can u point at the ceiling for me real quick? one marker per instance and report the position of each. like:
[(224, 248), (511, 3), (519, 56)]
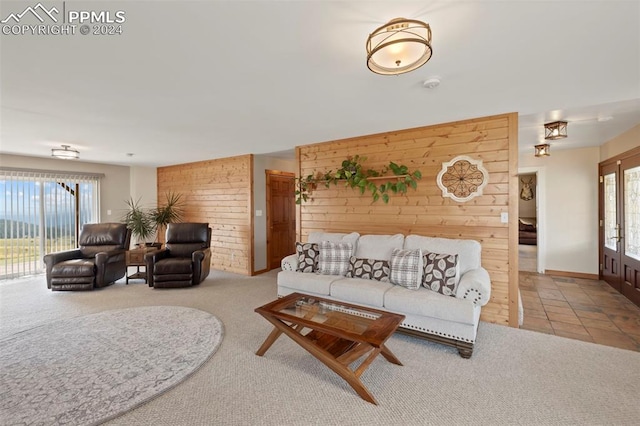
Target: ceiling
[(188, 81)]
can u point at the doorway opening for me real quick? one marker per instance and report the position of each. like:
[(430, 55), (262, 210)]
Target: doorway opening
[(530, 219)]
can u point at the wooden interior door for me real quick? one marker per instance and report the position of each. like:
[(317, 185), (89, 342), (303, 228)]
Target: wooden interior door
[(620, 225), (281, 216)]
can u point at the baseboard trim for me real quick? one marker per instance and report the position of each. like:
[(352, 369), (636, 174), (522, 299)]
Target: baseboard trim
[(572, 274)]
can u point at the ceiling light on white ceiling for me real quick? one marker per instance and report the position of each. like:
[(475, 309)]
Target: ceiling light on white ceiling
[(542, 150), (555, 130), (399, 46), (65, 153)]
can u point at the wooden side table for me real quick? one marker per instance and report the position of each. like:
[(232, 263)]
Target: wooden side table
[(135, 257)]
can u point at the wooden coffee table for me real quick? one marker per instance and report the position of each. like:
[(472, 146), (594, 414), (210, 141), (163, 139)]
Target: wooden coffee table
[(336, 333)]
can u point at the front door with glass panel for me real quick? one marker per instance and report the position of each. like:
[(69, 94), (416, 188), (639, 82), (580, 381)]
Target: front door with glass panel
[(610, 226), (620, 225)]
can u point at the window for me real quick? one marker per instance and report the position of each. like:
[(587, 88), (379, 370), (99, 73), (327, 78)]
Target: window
[(42, 212)]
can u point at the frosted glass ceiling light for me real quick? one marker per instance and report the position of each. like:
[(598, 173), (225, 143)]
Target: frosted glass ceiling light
[(65, 153), (400, 46)]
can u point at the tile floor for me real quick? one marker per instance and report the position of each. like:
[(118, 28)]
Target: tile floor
[(578, 308)]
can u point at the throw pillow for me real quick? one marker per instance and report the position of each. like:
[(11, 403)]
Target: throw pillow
[(369, 269), (406, 268), (440, 273), (307, 257), (334, 258)]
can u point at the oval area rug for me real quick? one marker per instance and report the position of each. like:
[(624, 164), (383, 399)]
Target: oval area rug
[(88, 369)]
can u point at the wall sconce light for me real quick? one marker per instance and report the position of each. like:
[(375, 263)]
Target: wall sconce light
[(542, 150), (555, 130), (399, 46), (65, 153)]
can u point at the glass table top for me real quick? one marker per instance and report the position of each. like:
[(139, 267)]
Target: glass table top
[(334, 314)]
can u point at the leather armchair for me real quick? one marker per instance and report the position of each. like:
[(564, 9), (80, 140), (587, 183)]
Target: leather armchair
[(186, 258), (98, 262)]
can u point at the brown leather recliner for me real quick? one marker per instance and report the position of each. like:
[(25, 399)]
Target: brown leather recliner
[(186, 258), (98, 262)]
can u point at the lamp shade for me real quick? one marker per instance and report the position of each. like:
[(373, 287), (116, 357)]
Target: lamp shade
[(400, 46), (542, 150), (65, 153), (555, 130)]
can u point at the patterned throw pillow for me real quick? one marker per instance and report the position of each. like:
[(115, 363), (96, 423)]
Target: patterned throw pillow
[(440, 273), (307, 257), (369, 269), (406, 268), (334, 258)]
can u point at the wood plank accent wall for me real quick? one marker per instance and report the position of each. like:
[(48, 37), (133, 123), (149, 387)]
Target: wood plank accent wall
[(219, 192), (424, 211)]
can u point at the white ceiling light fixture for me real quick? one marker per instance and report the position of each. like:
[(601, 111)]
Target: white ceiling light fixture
[(399, 46), (65, 153)]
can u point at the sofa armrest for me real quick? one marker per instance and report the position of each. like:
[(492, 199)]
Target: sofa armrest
[(104, 257), (150, 259), (289, 263), (475, 285), (53, 258)]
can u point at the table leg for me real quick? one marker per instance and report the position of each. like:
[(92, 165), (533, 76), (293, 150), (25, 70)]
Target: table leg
[(269, 341), (384, 350), (322, 355)]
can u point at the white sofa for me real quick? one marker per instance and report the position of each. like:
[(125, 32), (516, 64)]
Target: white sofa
[(451, 320)]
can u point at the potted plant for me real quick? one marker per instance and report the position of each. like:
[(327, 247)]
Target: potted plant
[(145, 223), (170, 212), (139, 221)]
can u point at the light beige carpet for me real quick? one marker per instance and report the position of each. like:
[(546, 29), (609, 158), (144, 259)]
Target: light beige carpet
[(88, 369), (514, 377)]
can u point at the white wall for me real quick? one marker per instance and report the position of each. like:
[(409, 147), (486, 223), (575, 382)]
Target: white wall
[(570, 211), (625, 142), (114, 187), (144, 185), (260, 164)]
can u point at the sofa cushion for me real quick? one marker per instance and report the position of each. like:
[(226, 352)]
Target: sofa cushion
[(334, 258), (74, 268), (378, 246), (360, 292), (307, 283), (307, 257), (441, 273), (429, 303), (173, 265), (468, 251), (334, 237), (368, 269), (406, 268)]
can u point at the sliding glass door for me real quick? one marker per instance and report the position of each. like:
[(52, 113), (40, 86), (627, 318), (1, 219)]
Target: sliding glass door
[(42, 212)]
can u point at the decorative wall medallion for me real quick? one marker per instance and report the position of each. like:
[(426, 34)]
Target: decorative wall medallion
[(462, 178)]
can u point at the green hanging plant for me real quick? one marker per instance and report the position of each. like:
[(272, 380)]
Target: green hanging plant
[(354, 175)]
